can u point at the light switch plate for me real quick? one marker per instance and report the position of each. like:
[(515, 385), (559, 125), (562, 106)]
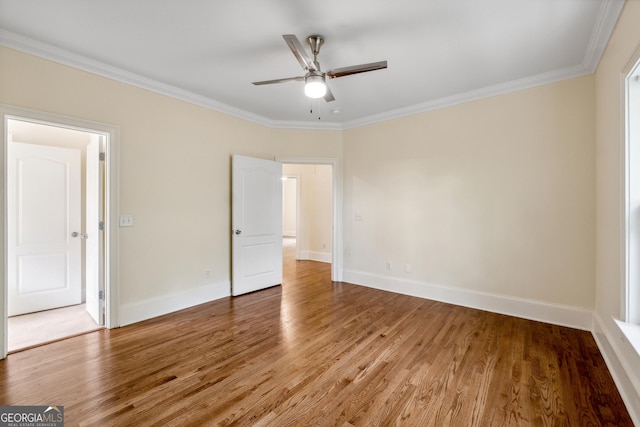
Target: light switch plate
[(126, 220)]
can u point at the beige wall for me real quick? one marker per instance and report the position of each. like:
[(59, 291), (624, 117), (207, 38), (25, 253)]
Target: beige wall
[(623, 49), (289, 205), (493, 196), (321, 240), (174, 169)]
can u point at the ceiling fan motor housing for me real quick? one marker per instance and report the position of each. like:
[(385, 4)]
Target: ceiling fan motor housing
[(315, 42)]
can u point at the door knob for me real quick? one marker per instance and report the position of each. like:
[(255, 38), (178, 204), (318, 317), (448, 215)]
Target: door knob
[(81, 235), (238, 231)]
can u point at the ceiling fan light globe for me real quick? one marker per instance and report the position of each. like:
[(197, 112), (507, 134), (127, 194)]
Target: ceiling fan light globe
[(315, 87)]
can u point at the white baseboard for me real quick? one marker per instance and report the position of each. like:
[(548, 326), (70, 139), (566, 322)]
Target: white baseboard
[(289, 233), (316, 256), (154, 307), (624, 372), (557, 314)]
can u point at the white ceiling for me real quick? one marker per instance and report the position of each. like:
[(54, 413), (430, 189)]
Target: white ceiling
[(440, 52)]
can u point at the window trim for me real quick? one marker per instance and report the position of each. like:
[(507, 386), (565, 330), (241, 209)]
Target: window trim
[(628, 321), (630, 310)]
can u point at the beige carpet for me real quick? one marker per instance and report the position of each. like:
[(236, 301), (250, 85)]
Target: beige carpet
[(32, 329)]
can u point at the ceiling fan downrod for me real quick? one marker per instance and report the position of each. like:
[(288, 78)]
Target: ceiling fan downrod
[(316, 42)]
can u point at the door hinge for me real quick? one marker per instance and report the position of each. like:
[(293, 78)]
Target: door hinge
[(101, 225), (101, 295), (102, 156)]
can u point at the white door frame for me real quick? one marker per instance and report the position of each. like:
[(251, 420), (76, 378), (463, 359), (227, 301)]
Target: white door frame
[(111, 134), (336, 174)]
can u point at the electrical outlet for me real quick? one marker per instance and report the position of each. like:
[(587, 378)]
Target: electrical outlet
[(207, 274), (389, 266), (407, 268)]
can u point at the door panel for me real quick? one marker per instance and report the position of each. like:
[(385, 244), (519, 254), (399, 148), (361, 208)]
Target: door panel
[(44, 260), (256, 224), (42, 272), (94, 269)]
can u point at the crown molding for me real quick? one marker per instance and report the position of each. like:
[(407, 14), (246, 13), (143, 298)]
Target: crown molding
[(65, 57), (606, 20), (474, 95)]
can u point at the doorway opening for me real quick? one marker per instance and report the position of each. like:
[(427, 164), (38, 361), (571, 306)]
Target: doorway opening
[(58, 181), (311, 201)]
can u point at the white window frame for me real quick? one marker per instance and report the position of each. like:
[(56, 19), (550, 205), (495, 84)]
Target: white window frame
[(629, 322), (631, 300)]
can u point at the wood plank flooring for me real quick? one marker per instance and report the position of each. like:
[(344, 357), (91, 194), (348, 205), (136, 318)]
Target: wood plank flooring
[(317, 353)]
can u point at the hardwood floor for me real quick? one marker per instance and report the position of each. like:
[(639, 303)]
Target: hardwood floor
[(317, 353)]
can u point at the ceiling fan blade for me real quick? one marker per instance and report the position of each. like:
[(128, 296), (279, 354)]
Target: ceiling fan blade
[(355, 69), (288, 79), (298, 51), (328, 97)]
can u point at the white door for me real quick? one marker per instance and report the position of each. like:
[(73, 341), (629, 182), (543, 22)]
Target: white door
[(94, 268), (256, 204), (44, 258)]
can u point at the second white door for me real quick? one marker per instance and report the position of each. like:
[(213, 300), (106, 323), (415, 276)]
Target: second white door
[(44, 219)]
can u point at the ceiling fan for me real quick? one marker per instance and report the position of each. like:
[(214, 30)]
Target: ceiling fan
[(315, 79)]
